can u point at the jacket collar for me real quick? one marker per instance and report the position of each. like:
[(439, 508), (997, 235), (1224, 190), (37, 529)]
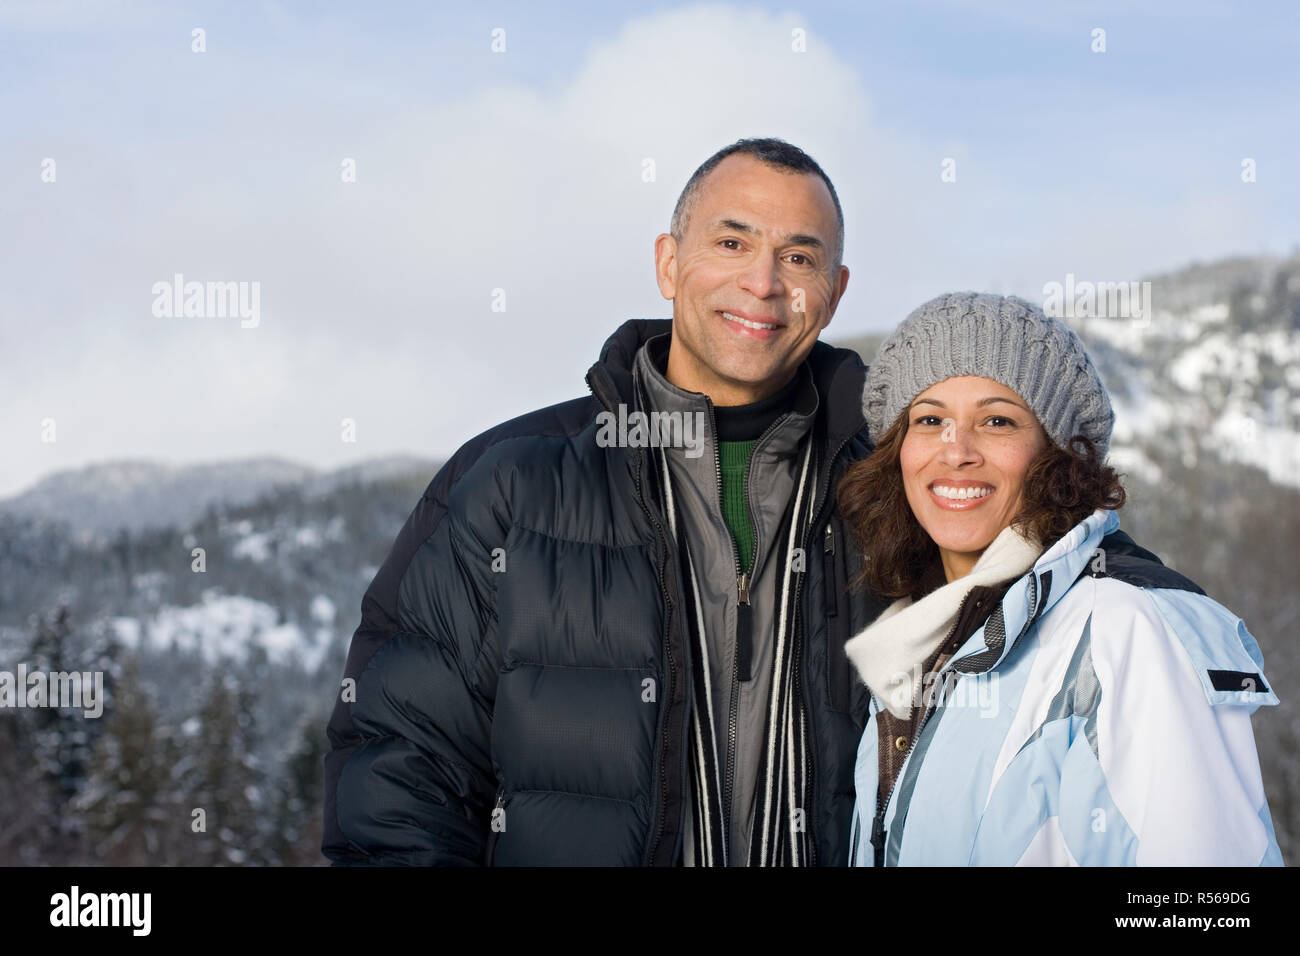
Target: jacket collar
[(1035, 593), (891, 652), (783, 441), (839, 375)]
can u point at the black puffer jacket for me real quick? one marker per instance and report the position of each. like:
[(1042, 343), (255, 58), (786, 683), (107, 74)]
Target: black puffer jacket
[(554, 687)]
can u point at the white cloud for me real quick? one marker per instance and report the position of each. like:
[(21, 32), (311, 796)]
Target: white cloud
[(376, 295)]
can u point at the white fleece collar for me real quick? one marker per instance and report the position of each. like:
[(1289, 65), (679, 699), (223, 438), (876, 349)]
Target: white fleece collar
[(890, 653)]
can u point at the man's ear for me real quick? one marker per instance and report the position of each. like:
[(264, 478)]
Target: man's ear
[(841, 283), (666, 265)]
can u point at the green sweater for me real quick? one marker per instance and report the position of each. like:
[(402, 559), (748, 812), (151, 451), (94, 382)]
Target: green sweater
[(733, 456)]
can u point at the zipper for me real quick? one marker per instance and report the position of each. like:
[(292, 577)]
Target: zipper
[(839, 683), (795, 678), (744, 636), (878, 820), (853, 840), (878, 823), (828, 565), (836, 587), (744, 610), (744, 668)]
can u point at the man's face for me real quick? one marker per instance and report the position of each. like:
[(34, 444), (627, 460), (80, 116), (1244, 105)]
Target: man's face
[(751, 280)]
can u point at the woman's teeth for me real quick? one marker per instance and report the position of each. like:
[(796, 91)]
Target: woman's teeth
[(957, 494), (746, 323)]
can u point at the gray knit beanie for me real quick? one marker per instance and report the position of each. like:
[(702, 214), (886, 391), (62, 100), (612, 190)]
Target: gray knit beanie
[(999, 337)]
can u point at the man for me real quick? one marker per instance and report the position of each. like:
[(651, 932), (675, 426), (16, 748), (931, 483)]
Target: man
[(593, 646)]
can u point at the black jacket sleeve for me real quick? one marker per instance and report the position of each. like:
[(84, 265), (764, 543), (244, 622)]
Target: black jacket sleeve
[(408, 776)]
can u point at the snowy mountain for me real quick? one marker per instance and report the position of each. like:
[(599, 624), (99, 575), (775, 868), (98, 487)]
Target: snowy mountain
[(101, 499), (136, 495), (230, 577), (1215, 367)]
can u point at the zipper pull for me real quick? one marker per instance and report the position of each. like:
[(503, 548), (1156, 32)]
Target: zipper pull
[(828, 559), (878, 839), (744, 630)]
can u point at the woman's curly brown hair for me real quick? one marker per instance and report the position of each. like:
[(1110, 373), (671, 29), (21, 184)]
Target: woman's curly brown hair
[(1061, 489)]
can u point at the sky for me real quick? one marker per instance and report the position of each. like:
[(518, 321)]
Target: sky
[(500, 218)]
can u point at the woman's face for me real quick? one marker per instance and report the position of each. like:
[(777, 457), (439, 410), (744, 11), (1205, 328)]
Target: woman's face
[(969, 444)]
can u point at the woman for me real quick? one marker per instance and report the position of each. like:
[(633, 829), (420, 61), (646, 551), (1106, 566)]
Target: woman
[(1031, 705)]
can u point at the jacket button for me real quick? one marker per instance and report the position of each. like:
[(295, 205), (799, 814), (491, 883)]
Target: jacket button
[(900, 743)]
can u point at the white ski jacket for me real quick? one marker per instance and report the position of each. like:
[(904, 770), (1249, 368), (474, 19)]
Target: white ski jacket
[(1088, 722)]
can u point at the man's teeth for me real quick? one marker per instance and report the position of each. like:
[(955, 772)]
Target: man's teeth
[(748, 324), (943, 491)]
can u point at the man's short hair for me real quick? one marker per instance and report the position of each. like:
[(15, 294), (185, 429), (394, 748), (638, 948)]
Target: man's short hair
[(774, 152)]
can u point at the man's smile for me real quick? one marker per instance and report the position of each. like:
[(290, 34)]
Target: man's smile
[(750, 325)]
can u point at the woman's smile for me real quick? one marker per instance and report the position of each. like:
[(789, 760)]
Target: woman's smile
[(960, 494)]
